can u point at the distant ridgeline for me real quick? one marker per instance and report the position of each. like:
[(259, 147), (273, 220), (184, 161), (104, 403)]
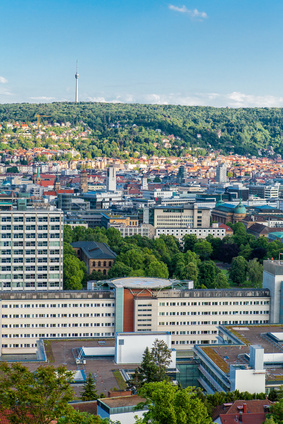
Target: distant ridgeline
[(124, 130)]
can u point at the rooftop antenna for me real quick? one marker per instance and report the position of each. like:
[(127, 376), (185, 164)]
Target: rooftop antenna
[(77, 83)]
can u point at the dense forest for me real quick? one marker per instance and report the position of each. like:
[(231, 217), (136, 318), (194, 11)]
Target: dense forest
[(132, 129)]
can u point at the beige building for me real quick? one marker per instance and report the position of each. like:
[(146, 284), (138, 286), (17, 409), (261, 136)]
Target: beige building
[(193, 316), (185, 216), (28, 317)]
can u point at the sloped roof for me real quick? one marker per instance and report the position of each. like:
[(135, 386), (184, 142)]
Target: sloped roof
[(95, 250)]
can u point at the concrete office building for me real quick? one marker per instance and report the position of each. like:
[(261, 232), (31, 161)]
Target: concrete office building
[(31, 249), (126, 305), (190, 315), (27, 317), (186, 216), (248, 358)]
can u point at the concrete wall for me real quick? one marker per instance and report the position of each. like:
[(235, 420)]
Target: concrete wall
[(247, 380), (130, 347)]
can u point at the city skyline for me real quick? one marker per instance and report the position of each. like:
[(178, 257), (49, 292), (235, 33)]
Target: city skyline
[(199, 52)]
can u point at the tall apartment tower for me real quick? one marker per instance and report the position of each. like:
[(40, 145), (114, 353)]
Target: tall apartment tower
[(221, 173), (31, 250), (111, 179)]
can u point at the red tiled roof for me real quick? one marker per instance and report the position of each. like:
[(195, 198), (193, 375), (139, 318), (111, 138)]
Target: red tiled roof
[(246, 418)]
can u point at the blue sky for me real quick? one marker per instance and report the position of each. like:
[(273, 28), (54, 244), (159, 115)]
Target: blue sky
[(195, 52)]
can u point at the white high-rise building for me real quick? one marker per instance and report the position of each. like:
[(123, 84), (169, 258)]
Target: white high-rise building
[(111, 179), (31, 249), (144, 183), (221, 173)]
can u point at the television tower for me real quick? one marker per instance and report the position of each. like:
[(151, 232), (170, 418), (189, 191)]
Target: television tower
[(77, 83)]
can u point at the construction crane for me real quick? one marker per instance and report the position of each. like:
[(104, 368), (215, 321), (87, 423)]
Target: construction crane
[(40, 116)]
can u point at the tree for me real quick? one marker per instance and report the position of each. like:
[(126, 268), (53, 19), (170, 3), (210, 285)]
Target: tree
[(221, 281), (77, 417), (227, 252), (153, 366), (89, 389), (39, 397), (254, 273), (277, 412), (157, 269), (203, 248), (168, 404), (161, 355), (207, 274), (189, 241), (146, 372), (118, 270), (73, 273), (238, 270), (68, 234)]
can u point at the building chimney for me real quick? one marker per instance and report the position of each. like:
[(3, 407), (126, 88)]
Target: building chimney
[(245, 408)]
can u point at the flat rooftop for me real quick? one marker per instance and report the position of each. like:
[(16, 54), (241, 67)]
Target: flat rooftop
[(225, 355), (141, 282), (119, 402)]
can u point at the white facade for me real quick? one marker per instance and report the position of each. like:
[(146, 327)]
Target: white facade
[(31, 250), (193, 316), (111, 179), (27, 317), (221, 173), (179, 233), (187, 216), (130, 347), (272, 280)]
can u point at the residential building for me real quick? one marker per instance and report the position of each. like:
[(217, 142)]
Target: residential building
[(31, 249), (221, 173)]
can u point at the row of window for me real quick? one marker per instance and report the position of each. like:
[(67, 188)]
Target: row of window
[(214, 303), (245, 312), (29, 227), (30, 235), (30, 260), (29, 219), (30, 252), (29, 243), (99, 263), (57, 305), (85, 324), (212, 322), (30, 268), (17, 336), (104, 314)]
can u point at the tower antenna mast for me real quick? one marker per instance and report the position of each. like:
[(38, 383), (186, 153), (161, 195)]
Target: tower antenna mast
[(77, 83)]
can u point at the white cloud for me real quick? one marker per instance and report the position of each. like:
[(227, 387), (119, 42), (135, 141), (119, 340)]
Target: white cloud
[(193, 13), (238, 99), (43, 98), (233, 99), (3, 80)]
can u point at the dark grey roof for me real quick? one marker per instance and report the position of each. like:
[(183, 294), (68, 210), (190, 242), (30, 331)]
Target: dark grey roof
[(95, 250)]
